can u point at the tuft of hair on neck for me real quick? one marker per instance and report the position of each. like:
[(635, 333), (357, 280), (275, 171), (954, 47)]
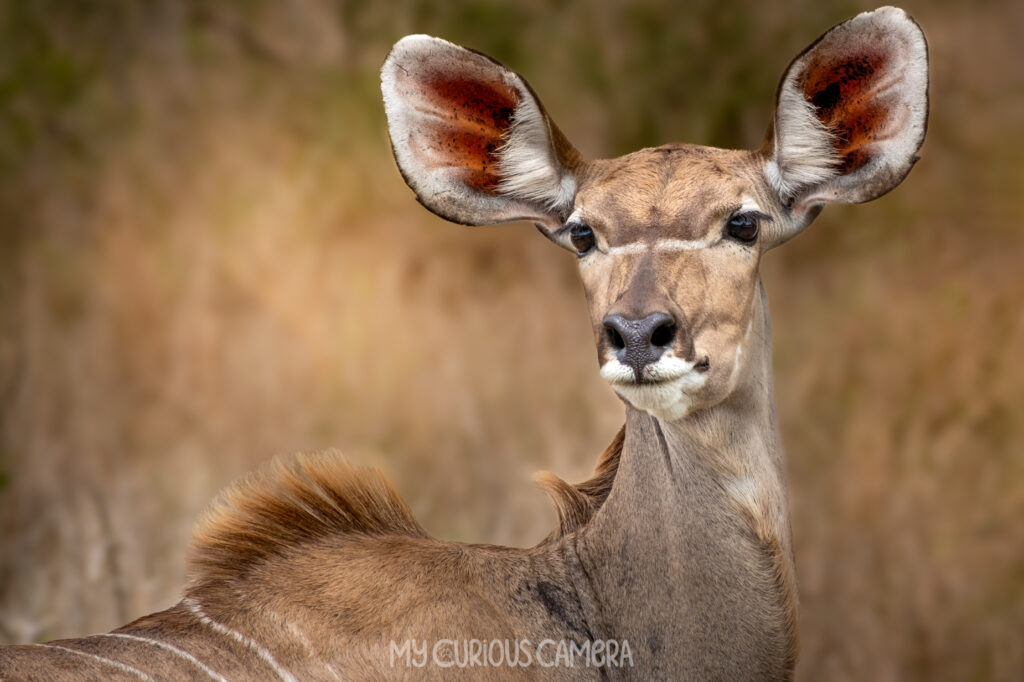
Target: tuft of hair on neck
[(577, 503), (291, 502), (304, 499)]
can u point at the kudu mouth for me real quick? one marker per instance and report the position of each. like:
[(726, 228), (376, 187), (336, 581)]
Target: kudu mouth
[(667, 389)]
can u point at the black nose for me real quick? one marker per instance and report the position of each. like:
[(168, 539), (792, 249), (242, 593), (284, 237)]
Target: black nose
[(638, 343)]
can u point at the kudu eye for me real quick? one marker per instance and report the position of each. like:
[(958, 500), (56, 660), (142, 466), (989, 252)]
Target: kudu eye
[(742, 227), (582, 238)]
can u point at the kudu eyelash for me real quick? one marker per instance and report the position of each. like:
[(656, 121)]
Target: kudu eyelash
[(754, 215)]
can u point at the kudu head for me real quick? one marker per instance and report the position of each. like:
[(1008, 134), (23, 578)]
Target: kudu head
[(669, 239)]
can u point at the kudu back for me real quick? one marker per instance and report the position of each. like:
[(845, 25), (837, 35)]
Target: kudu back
[(675, 560)]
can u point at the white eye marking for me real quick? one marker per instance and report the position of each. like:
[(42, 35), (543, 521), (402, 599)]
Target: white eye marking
[(661, 245), (748, 205)]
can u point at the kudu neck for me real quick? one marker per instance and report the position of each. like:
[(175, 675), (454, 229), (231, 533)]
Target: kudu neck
[(689, 558), (743, 428)]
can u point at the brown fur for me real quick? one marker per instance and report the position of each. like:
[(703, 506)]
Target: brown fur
[(302, 499), (779, 564), (293, 502), (577, 503), (680, 541)]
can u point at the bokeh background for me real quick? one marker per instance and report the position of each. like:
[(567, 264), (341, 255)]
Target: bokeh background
[(208, 258)]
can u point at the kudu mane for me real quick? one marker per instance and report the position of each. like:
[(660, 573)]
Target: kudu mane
[(304, 498), (291, 502), (576, 503)]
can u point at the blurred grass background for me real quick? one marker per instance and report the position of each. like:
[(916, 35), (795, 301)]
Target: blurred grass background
[(207, 258)]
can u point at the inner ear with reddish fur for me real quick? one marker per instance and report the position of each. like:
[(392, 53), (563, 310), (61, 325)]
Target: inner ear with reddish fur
[(470, 137), (851, 111), (464, 122), (845, 92)]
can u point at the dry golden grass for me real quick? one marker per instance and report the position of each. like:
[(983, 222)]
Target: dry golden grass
[(208, 258)]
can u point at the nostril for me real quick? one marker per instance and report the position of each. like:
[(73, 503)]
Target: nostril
[(663, 335), (615, 338), (704, 365)]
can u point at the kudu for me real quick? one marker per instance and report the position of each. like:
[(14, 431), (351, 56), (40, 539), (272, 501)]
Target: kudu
[(677, 553)]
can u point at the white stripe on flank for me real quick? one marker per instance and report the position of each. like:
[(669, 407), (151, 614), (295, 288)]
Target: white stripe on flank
[(299, 635), (748, 205), (197, 611), (116, 664), (173, 649)]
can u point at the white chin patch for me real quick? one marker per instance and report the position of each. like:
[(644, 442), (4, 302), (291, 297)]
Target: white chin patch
[(667, 396)]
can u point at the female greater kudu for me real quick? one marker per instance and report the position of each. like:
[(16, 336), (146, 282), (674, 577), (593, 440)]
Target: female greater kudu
[(675, 560)]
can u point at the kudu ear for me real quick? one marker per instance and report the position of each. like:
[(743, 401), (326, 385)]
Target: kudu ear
[(472, 140), (850, 115)]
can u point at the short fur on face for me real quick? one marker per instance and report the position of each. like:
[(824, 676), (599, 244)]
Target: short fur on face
[(475, 144)]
